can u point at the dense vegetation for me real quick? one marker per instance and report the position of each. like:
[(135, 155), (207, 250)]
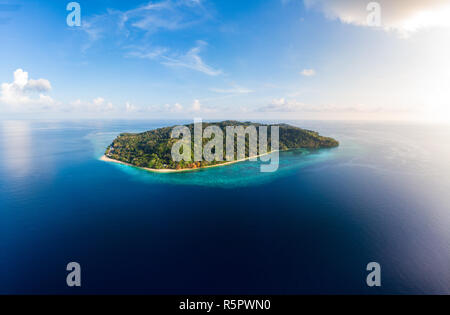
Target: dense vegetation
[(152, 149)]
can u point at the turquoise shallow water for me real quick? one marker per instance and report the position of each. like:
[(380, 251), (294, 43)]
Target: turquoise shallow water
[(246, 173), (249, 172), (225, 176), (310, 227)]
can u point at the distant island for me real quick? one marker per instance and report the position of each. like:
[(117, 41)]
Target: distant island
[(151, 150)]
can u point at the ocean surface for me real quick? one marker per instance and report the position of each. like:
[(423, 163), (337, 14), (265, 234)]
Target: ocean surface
[(311, 227)]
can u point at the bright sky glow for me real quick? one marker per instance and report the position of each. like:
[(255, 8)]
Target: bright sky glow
[(259, 59)]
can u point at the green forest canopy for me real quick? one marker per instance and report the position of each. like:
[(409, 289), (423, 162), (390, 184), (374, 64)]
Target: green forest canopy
[(152, 149)]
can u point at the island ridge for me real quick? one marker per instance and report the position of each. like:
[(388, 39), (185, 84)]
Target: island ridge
[(151, 150)]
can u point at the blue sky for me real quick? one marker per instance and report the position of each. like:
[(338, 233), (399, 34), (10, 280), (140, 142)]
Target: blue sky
[(312, 59)]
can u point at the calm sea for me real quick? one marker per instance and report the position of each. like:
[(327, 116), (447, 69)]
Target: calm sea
[(311, 227)]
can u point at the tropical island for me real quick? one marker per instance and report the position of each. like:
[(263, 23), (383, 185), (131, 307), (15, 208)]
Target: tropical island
[(152, 150)]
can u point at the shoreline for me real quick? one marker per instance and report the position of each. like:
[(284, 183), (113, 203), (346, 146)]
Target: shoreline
[(104, 158)]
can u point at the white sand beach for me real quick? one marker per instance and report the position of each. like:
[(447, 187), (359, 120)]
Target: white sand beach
[(107, 159)]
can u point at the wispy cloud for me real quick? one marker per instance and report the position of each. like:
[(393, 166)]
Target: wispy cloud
[(131, 29), (283, 105), (196, 108), (191, 60), (152, 17), (233, 90), (168, 14), (149, 53), (96, 105), (308, 72), (130, 108)]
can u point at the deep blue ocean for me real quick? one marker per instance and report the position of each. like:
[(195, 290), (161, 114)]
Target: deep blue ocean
[(312, 227)]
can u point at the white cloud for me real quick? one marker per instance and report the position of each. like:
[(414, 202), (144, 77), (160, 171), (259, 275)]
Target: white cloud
[(41, 85), (24, 93), (308, 72), (130, 107), (98, 101), (20, 78), (176, 108), (196, 106), (403, 16), (97, 105)]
